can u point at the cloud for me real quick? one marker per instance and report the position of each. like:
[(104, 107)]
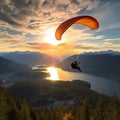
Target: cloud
[(11, 45), (36, 16), (50, 49), (20, 13), (112, 40), (108, 15), (31, 21), (80, 35), (39, 46), (4, 35), (110, 46), (86, 47), (60, 49)]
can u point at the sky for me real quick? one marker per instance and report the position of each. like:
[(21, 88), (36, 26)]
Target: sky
[(29, 25)]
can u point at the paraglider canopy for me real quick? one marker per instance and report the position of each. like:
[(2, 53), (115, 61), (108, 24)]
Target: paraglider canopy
[(88, 21)]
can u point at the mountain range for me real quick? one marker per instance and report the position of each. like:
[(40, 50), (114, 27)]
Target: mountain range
[(110, 52), (104, 63), (30, 58)]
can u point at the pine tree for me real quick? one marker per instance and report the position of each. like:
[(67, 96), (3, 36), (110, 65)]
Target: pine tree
[(85, 110), (33, 114), (26, 111), (113, 109), (3, 105), (14, 113), (100, 109)]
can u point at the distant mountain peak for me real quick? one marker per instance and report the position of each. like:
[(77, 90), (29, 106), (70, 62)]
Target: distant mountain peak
[(109, 52), (21, 52)]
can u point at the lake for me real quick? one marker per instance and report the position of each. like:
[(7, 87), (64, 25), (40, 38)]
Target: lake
[(100, 84)]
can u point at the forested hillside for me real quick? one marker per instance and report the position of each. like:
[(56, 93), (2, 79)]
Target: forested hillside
[(12, 108)]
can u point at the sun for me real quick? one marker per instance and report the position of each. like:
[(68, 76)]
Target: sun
[(50, 37)]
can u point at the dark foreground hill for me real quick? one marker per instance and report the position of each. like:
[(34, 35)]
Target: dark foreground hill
[(46, 92), (107, 65)]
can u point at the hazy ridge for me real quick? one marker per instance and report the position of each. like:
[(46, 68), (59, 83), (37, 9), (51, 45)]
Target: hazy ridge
[(30, 58), (8, 66)]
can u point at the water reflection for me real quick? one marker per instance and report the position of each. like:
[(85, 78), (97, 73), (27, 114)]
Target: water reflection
[(53, 73), (99, 84)]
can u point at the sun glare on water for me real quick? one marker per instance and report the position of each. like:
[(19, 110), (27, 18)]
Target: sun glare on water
[(53, 73), (50, 37)]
